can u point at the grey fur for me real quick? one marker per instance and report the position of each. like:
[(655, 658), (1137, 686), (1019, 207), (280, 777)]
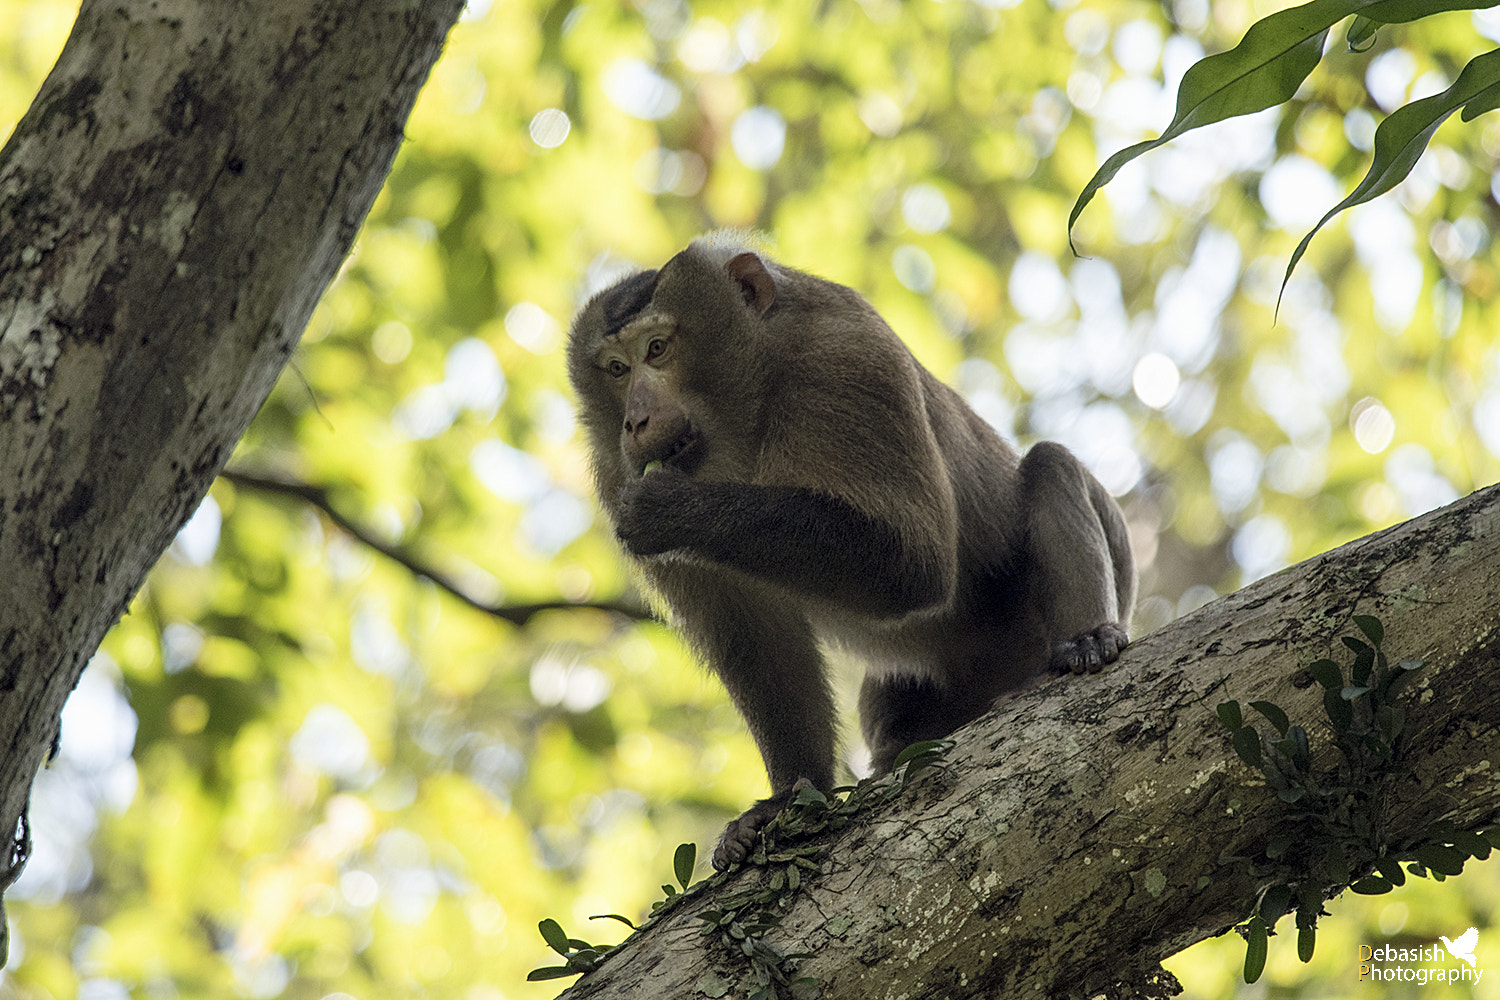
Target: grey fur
[(818, 485)]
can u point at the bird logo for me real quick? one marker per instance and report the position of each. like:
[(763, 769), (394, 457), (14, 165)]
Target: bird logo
[(1463, 948)]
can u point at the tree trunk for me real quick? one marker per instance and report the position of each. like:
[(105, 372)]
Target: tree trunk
[(1072, 837), (179, 195)]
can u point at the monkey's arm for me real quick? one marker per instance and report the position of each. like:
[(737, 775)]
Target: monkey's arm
[(798, 538)]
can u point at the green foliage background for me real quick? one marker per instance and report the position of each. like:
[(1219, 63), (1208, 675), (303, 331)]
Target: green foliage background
[(296, 769)]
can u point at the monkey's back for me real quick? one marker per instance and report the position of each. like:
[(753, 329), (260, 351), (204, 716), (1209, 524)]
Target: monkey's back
[(989, 636)]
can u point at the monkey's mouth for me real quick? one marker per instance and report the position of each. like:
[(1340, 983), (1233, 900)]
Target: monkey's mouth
[(684, 454)]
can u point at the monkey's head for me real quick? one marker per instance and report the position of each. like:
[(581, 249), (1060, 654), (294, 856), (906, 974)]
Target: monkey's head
[(661, 357)]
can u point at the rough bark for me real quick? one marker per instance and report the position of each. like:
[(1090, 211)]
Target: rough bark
[(179, 195), (1062, 846)]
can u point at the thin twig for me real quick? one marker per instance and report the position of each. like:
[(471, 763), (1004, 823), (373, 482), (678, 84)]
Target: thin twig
[(317, 496)]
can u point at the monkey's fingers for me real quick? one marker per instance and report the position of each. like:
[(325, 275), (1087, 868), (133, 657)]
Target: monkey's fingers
[(1089, 651)]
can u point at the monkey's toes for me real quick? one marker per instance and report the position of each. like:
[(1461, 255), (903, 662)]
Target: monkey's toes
[(1089, 651), (738, 840), (736, 843)]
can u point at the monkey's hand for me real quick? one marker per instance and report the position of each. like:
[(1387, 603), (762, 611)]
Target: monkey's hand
[(738, 840), (1089, 651), (653, 513)]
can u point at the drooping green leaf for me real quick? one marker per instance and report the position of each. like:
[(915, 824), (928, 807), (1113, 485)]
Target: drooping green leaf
[(1403, 136), (1274, 715), (1441, 860), (1229, 714), (1371, 885), (1361, 34), (614, 916), (1339, 711), (1471, 844), (1263, 70), (1307, 938), (1371, 627), (1246, 743), (1362, 29), (1401, 11), (1487, 99), (1326, 673), (1255, 949), (1275, 903), (1391, 870)]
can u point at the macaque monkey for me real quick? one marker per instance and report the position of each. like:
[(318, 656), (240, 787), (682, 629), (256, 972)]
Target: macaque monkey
[(786, 475)]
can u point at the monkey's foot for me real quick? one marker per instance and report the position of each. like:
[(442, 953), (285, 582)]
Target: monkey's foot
[(1089, 651), (738, 840)]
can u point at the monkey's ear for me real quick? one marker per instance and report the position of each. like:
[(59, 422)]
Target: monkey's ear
[(756, 283)]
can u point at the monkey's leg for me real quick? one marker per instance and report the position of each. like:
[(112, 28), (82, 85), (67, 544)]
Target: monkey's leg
[(763, 649), (1082, 574), (897, 711)]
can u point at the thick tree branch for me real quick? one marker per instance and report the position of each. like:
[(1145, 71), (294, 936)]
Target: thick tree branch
[(174, 203), (317, 496), (1073, 836)]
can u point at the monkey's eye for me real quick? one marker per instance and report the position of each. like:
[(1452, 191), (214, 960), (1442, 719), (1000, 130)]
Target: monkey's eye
[(617, 368), (655, 349)]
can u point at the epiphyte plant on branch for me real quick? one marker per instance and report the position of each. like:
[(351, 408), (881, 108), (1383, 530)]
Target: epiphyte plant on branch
[(1273, 59), (1335, 831), (790, 854)]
